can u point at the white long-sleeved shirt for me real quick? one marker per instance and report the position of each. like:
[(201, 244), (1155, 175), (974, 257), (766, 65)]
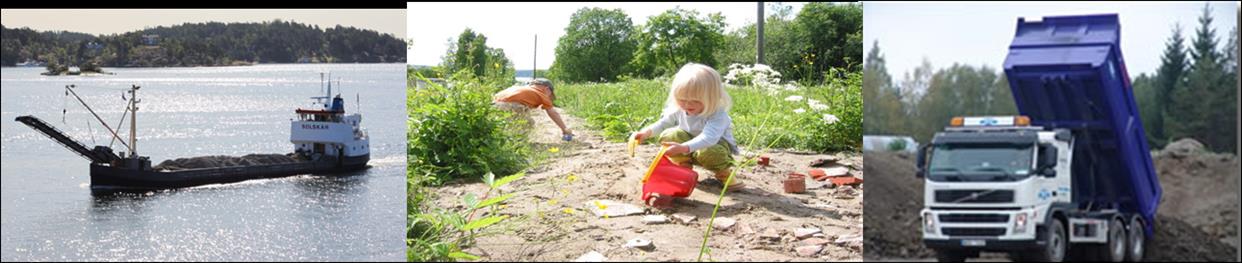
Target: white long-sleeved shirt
[(707, 130)]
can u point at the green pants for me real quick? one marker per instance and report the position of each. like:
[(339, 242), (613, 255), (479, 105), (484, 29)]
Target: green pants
[(714, 158)]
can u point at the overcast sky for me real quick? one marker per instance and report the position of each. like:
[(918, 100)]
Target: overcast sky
[(979, 33), (113, 21), (513, 26)]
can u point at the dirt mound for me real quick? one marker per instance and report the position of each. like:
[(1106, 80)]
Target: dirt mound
[(1177, 240), (893, 200), (1182, 148), (549, 221), (224, 161), (1189, 226), (1200, 188)]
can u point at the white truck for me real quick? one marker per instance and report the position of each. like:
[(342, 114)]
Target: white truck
[(1070, 178)]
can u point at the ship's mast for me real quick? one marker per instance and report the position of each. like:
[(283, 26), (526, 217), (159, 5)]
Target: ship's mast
[(133, 121)]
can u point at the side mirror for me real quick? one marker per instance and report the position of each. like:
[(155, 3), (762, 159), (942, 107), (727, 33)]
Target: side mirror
[(921, 161), (1047, 160)]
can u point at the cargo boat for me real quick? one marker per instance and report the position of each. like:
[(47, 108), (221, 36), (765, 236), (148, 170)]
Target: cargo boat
[(326, 141)]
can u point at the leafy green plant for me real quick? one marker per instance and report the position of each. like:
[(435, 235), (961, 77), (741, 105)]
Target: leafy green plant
[(897, 145), (454, 132), (442, 235)]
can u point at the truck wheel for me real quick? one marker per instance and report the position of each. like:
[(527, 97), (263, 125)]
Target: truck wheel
[(946, 255), (1114, 249), (1055, 246), (1136, 244)]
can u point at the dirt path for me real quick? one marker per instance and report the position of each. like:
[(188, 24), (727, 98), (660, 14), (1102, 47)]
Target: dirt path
[(551, 222), (1190, 227)]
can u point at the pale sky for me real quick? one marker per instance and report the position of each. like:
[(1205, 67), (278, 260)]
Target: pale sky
[(113, 21), (513, 26), (979, 33)]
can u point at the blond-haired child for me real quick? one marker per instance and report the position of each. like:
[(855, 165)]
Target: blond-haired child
[(695, 124)]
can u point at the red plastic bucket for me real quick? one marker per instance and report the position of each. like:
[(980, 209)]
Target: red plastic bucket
[(668, 179)]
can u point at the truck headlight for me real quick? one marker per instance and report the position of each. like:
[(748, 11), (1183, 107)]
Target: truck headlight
[(929, 223), (1019, 223)]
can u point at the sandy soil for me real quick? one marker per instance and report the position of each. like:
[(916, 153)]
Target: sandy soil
[(1191, 226), (551, 222)]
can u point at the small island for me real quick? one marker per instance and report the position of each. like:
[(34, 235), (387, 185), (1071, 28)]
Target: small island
[(91, 68)]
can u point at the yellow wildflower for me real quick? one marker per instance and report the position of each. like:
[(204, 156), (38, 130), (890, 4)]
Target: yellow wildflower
[(601, 206), (554, 150)]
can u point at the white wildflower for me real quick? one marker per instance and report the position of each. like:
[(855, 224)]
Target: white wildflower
[(817, 106), (794, 98), (799, 110), (830, 119)]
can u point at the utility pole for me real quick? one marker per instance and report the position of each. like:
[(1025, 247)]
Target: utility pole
[(759, 36), (534, 71)]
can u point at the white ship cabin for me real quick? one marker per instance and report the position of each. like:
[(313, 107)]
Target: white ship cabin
[(329, 132)]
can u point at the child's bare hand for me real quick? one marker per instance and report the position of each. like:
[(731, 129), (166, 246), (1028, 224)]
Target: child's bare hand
[(641, 135), (675, 148)]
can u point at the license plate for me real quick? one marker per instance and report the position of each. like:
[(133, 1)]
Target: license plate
[(974, 243)]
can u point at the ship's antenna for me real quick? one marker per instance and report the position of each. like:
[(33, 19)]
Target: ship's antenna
[(357, 103), (328, 101), (320, 81)]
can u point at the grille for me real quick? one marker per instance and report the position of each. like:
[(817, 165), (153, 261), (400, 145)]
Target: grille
[(973, 231), (974, 218), (984, 196)]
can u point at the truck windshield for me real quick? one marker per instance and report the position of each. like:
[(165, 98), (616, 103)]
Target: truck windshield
[(980, 162)]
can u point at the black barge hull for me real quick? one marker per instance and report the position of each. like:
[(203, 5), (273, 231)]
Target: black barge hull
[(108, 178)]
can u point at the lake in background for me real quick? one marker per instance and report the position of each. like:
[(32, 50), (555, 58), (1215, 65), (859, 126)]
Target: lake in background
[(49, 212)]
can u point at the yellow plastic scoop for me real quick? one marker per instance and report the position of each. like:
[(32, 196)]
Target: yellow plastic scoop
[(633, 144)]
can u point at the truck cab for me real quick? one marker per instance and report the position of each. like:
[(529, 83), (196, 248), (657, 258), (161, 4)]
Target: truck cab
[(990, 181)]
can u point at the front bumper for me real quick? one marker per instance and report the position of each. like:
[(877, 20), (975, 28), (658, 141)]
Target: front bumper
[(988, 244)]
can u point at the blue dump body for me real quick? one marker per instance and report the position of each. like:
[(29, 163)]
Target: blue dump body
[(1067, 72)]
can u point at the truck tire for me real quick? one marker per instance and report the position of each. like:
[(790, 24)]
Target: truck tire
[(1136, 240), (1056, 244), (946, 255), (1113, 250)]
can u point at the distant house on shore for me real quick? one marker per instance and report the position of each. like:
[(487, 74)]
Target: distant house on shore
[(151, 40)]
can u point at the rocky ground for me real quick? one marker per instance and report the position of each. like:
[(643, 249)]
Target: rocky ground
[(1197, 219), (552, 215)]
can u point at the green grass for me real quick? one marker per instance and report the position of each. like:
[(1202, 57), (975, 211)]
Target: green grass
[(617, 109)]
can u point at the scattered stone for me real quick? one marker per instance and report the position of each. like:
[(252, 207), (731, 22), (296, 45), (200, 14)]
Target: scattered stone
[(655, 219), (809, 251), (745, 229), (825, 162), (844, 193), (802, 233), (724, 223), (814, 241), (609, 208), (640, 243), (854, 242), (770, 233), (684, 218), (591, 257), (836, 171), (846, 239)]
